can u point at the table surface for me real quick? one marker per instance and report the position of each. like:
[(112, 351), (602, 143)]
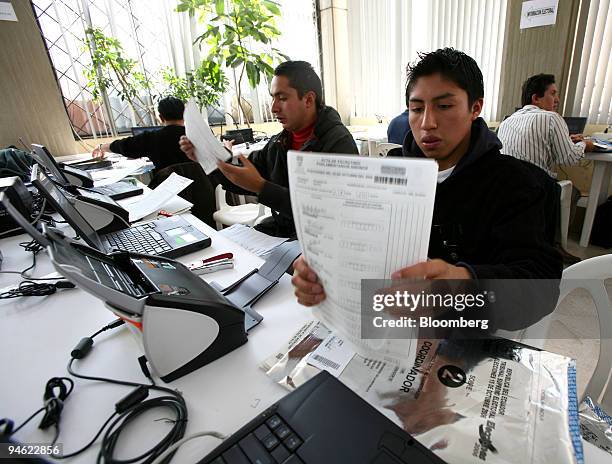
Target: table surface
[(38, 333)]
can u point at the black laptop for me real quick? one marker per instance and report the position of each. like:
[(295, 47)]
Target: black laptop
[(323, 421), (116, 191), (170, 237), (575, 125)]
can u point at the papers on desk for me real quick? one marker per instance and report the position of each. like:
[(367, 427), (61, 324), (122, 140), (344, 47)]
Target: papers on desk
[(155, 200), (256, 242), (360, 218), (481, 400), (110, 176), (207, 148)]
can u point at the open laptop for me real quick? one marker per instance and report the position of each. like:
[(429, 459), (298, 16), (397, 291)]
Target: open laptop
[(170, 237), (322, 421), (575, 125), (116, 191)]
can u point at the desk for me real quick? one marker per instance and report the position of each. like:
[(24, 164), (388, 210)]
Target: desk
[(37, 335), (602, 172)]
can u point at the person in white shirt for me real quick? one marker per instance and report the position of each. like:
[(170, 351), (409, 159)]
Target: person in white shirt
[(537, 133)]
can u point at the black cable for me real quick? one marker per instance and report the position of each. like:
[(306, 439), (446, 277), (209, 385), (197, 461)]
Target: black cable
[(129, 409), (29, 288)]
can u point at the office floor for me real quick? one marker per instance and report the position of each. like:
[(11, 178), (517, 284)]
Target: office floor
[(574, 330)]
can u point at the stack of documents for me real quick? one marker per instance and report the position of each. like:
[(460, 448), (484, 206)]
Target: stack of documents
[(256, 242)]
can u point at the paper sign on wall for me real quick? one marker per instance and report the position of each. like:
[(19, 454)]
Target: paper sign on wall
[(536, 13), (7, 12)]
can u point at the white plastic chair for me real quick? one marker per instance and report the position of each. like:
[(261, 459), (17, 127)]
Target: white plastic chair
[(383, 148), (566, 204), (246, 214), (590, 275)]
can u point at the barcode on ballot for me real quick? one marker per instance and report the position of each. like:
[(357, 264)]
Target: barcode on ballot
[(326, 362), (390, 180)]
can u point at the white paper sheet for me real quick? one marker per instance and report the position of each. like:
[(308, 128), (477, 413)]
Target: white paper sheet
[(111, 176), (207, 148), (7, 12), (256, 242), (154, 200), (536, 13), (360, 218)]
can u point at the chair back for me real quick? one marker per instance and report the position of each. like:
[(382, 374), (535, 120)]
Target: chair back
[(383, 148), (201, 191)]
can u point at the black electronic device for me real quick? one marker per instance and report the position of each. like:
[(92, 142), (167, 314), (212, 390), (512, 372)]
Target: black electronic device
[(239, 135), (575, 125), (69, 175), (90, 164), (104, 214), (20, 196), (170, 236), (322, 421), (141, 130)]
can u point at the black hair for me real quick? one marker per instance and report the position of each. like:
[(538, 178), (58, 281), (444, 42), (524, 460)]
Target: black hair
[(453, 65), (303, 78), (171, 108), (535, 85)]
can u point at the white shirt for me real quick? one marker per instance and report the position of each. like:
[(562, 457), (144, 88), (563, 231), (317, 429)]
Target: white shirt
[(443, 175), (540, 137)]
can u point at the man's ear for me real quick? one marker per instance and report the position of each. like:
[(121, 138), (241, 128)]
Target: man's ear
[(477, 108), (161, 118), (310, 98), (534, 99)]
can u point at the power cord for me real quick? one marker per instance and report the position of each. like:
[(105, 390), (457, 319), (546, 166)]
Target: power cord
[(29, 288), (130, 408)]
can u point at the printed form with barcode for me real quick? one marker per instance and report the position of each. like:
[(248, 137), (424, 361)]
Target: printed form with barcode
[(360, 218)]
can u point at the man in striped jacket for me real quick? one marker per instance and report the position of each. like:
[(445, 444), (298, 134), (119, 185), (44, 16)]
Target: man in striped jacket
[(537, 133)]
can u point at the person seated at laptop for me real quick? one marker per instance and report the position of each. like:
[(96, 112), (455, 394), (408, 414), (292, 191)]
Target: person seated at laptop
[(488, 212), (398, 128), (536, 133), (161, 146), (308, 125)]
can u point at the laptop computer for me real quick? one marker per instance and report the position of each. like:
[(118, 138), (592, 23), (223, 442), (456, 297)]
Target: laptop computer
[(170, 237), (322, 421), (575, 125), (116, 191)]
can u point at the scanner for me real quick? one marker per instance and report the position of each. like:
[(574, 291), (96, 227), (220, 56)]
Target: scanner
[(181, 322), (103, 213), (67, 175)]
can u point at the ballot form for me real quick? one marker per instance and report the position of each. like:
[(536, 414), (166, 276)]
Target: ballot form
[(360, 218)]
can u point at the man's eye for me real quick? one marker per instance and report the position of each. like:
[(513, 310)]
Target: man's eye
[(445, 107), (415, 110)]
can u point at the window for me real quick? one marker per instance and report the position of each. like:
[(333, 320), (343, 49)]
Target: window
[(157, 37), (386, 35)]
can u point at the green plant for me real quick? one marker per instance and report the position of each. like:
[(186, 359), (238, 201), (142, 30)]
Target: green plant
[(244, 23), (110, 66), (206, 84)]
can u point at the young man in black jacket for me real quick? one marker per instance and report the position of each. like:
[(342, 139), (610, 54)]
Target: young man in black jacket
[(488, 220), (308, 125), (160, 146)]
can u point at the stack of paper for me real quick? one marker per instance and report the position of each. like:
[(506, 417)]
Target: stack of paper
[(256, 242)]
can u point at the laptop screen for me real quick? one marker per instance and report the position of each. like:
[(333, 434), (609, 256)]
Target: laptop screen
[(575, 124), (142, 130), (42, 156), (65, 208)]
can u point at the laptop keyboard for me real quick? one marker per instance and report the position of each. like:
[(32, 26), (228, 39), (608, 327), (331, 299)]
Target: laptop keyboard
[(139, 239), (272, 442)]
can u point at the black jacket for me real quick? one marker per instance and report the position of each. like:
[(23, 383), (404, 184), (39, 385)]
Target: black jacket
[(161, 146), (489, 216), (329, 136)]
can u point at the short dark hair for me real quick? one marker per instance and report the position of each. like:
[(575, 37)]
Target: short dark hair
[(453, 65), (535, 85), (303, 78), (171, 108)]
